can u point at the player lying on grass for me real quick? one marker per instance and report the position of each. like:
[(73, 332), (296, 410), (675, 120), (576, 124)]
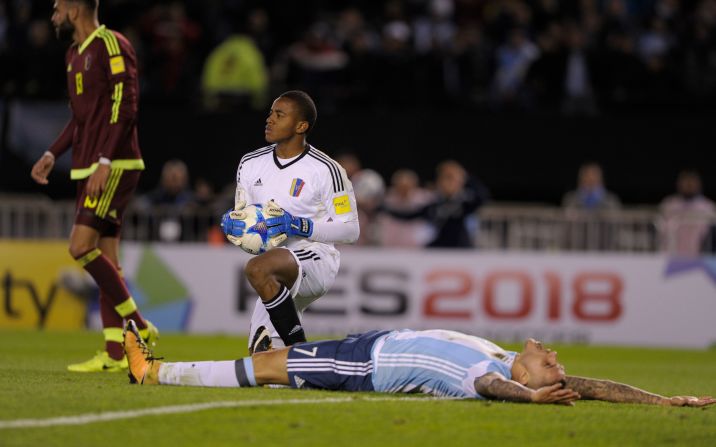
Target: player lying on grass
[(437, 362)]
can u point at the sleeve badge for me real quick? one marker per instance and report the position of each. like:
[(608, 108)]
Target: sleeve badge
[(342, 204), (116, 65)]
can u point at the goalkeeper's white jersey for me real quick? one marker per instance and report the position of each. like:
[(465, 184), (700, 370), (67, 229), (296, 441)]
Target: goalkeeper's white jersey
[(312, 185)]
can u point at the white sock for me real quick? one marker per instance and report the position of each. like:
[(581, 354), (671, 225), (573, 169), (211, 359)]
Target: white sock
[(213, 374)]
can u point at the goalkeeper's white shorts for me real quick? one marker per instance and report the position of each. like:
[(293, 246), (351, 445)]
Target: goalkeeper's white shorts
[(317, 269)]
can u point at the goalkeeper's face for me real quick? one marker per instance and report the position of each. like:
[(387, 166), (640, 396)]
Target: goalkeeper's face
[(283, 121), (541, 365)]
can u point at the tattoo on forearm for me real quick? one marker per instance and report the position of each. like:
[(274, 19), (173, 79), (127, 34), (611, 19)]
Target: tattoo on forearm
[(496, 387), (610, 391)]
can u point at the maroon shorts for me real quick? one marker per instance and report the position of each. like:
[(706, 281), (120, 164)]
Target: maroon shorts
[(104, 214)]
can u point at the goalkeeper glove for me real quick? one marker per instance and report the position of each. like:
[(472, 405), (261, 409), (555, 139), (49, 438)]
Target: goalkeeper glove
[(233, 226), (284, 222)]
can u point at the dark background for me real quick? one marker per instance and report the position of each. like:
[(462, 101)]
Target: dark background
[(524, 150), (520, 158)]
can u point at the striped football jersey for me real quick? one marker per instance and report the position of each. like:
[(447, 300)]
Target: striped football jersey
[(311, 185), (438, 362)]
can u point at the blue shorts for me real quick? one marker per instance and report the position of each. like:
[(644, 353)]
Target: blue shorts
[(334, 364)]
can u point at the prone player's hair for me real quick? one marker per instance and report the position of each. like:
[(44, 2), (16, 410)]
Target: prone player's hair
[(306, 106)]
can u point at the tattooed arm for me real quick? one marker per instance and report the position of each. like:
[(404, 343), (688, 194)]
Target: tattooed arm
[(610, 391), (495, 386)]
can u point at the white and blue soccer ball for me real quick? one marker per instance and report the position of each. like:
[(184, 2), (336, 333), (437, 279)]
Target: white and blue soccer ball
[(255, 239)]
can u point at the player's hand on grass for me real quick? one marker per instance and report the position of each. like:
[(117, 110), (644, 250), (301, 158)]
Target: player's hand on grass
[(233, 225), (690, 401), (42, 168), (97, 182), (283, 222), (555, 394)]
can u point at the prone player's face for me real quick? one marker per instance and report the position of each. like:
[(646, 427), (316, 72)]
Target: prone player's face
[(541, 364), (283, 121)]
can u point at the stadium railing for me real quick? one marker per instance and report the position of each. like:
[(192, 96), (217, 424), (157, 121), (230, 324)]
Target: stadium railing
[(502, 226)]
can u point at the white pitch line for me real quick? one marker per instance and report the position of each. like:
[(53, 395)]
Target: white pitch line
[(82, 419)]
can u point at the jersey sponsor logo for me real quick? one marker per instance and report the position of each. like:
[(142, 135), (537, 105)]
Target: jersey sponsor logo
[(258, 182), (116, 65), (311, 353), (88, 62), (79, 85), (296, 187), (342, 204), (90, 202)]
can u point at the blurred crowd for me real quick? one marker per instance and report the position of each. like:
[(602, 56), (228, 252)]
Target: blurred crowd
[(574, 57), (569, 56), (442, 212)]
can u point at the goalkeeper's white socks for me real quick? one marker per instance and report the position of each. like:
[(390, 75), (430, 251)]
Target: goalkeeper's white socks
[(232, 373)]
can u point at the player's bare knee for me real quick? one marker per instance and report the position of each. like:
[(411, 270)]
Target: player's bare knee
[(78, 249), (270, 366), (257, 271)]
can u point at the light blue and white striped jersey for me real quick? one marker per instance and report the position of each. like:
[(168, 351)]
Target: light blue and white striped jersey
[(437, 362)]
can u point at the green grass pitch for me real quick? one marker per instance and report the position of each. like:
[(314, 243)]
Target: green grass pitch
[(35, 385)]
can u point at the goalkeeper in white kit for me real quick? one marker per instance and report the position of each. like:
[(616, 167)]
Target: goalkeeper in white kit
[(309, 205)]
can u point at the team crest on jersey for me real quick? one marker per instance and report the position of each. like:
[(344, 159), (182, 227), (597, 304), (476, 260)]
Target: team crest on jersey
[(69, 67), (296, 187), (88, 62)]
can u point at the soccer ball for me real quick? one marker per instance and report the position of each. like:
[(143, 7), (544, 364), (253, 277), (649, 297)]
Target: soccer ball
[(255, 239)]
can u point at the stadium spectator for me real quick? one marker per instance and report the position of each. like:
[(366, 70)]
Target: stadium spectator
[(405, 195), (578, 73), (437, 362), (165, 204), (687, 217), (470, 66), (33, 79), (106, 162), (173, 189), (512, 59), (660, 43), (620, 88), (452, 213), (235, 75), (369, 188), (316, 63), (587, 208), (172, 64), (319, 210), (591, 194), (398, 65)]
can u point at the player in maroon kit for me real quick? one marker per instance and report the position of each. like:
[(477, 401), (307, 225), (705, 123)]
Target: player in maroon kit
[(106, 163)]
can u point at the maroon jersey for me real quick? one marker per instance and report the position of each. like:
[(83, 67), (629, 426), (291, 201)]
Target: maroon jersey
[(104, 95)]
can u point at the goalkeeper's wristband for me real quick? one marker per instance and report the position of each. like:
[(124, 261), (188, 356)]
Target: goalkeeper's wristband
[(49, 154), (105, 161), (301, 226)]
